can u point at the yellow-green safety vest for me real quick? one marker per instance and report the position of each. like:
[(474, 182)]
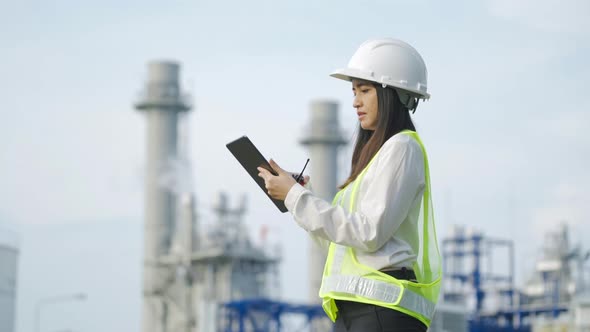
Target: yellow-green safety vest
[(346, 279)]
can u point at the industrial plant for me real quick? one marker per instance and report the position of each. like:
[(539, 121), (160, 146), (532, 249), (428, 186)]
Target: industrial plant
[(215, 278), (9, 252), (209, 276)]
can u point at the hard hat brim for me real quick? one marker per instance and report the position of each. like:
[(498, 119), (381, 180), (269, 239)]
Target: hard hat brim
[(348, 74)]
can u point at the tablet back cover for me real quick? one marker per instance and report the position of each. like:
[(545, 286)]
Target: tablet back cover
[(250, 158)]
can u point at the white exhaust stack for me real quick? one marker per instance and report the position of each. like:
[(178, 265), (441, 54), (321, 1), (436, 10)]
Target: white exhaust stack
[(323, 138), (161, 101)]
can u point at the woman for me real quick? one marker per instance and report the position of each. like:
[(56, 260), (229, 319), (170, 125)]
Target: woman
[(382, 272)]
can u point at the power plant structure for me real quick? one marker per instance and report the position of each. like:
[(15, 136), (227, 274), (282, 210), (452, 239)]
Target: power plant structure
[(197, 279), (161, 101), (555, 297), (323, 138), (230, 268), (8, 281)]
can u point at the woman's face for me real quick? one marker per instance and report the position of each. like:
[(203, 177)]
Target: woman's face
[(365, 102)]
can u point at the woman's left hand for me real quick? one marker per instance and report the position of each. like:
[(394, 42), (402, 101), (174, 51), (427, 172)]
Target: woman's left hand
[(279, 185)]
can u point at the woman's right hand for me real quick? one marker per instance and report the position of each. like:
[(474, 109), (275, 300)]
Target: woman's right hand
[(304, 180)]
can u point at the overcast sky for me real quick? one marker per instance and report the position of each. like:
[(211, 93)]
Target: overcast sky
[(506, 128)]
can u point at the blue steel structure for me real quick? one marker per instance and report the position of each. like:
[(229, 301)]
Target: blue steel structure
[(478, 249), (464, 248), (264, 315)]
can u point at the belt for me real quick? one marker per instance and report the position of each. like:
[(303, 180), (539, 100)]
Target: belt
[(402, 274)]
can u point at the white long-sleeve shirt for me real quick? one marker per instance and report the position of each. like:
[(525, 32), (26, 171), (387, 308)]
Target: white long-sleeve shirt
[(383, 229)]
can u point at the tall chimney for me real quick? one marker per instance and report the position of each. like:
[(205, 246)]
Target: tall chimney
[(161, 101), (323, 138)]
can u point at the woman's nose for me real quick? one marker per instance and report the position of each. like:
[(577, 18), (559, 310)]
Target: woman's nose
[(356, 103)]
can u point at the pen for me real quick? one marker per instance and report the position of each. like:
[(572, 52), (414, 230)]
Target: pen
[(298, 178)]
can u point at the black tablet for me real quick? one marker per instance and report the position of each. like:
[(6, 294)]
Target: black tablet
[(250, 158)]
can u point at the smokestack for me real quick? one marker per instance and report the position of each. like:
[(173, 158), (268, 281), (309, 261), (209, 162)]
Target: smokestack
[(323, 138), (161, 101), (9, 252)]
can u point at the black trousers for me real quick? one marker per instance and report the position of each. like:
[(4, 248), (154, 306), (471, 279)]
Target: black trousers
[(361, 317)]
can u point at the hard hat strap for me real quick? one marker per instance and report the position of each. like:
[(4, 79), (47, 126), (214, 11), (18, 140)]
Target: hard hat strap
[(408, 100), (416, 106)]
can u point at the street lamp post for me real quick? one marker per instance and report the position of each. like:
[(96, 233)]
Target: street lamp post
[(54, 299)]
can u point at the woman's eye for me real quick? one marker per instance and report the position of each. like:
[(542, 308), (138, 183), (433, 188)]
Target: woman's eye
[(365, 90)]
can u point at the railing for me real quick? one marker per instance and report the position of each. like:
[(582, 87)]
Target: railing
[(162, 97), (266, 315)]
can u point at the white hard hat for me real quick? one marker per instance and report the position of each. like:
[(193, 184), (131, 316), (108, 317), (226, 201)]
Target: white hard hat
[(390, 62)]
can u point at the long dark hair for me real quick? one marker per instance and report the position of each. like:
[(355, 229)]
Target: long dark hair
[(393, 117)]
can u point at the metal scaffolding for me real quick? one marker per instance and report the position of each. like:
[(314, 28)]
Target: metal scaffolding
[(264, 315)]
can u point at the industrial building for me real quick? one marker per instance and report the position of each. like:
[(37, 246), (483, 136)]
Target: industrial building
[(8, 280), (555, 295), (206, 280)]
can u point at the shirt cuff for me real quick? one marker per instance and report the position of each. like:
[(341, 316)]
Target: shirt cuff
[(293, 196)]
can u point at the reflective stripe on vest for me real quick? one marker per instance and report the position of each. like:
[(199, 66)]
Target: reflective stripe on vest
[(381, 291), (365, 285)]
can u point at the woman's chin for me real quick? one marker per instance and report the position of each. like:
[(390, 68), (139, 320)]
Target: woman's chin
[(365, 126)]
